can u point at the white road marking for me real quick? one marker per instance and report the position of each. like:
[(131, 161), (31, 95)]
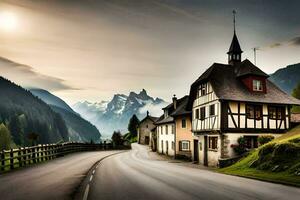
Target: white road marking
[(86, 192), (91, 178)]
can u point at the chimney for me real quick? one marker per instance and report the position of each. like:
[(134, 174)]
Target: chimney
[(147, 113), (174, 101)]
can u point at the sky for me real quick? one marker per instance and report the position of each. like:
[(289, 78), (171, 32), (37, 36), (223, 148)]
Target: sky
[(92, 49)]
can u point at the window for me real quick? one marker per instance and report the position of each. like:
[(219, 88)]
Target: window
[(167, 130), (183, 123), (202, 89), (161, 130), (276, 112), (238, 57), (202, 113), (184, 145), (257, 85), (173, 129), (212, 110), (197, 113), (213, 143), (254, 112), (166, 113), (147, 126)]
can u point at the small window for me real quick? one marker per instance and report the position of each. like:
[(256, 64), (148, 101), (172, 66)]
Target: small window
[(276, 112), (147, 126), (202, 89), (197, 113), (202, 113), (183, 123), (161, 130), (257, 85), (238, 57), (212, 110), (254, 112), (213, 143), (167, 130), (185, 145)]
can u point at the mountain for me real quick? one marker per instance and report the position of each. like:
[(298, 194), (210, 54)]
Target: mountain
[(115, 114), (79, 129), (50, 99), (287, 78), (25, 114)]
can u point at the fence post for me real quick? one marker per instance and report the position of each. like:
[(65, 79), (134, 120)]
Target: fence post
[(42, 153), (3, 161), (11, 158), (34, 154), (20, 157)]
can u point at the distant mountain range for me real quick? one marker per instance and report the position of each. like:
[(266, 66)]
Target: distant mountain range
[(287, 78), (25, 114), (115, 114), (79, 129)]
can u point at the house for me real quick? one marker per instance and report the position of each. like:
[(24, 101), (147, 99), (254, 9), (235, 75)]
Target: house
[(235, 100), (144, 129), (174, 130)]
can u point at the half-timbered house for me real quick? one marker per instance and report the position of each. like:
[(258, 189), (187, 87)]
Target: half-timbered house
[(235, 100)]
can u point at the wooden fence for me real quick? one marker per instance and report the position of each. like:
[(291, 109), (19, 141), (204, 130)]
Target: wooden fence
[(21, 157)]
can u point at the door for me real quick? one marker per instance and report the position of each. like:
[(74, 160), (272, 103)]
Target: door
[(196, 151), (147, 140), (205, 161), (167, 147)]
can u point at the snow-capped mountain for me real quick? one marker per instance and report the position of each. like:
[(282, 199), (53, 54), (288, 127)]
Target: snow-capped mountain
[(115, 114)]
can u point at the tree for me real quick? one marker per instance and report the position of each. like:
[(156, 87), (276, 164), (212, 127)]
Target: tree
[(5, 137), (296, 94), (117, 138), (16, 130), (133, 124)]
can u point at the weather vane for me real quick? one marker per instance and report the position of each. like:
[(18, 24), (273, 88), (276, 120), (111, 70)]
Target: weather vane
[(234, 13)]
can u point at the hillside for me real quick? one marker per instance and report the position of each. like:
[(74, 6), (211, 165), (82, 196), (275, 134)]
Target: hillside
[(115, 114), (276, 161), (50, 99), (23, 113), (79, 129), (287, 78)]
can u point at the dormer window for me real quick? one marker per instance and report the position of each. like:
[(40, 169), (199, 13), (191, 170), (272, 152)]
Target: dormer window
[(257, 85), (166, 113)]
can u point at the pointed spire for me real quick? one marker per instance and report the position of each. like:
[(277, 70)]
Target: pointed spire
[(235, 51)]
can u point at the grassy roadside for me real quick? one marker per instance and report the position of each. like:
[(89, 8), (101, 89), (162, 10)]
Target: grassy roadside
[(277, 161)]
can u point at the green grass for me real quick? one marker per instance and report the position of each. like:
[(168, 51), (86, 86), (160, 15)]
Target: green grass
[(277, 161)]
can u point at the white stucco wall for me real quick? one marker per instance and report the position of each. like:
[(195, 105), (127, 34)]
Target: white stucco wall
[(166, 138)]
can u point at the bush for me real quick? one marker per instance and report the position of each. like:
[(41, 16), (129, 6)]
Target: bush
[(240, 148), (263, 139)]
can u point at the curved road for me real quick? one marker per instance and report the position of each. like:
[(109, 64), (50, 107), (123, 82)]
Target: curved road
[(55, 179), (138, 174)]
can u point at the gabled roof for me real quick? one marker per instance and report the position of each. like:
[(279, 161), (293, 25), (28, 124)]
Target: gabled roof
[(235, 45), (228, 86), (180, 110), (153, 119), (248, 68)]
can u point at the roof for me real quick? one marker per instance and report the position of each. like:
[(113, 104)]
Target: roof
[(153, 119), (248, 68), (228, 86), (181, 109), (235, 45)]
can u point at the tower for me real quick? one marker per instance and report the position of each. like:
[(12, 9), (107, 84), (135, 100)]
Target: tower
[(235, 51)]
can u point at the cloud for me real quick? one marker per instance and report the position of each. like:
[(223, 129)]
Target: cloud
[(295, 41), (275, 45), (25, 76)]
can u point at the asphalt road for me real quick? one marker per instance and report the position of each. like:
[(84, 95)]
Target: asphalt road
[(137, 175), (56, 179)]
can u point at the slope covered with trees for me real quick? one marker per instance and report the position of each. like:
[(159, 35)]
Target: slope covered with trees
[(25, 114)]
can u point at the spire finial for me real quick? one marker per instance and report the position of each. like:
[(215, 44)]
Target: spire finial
[(234, 13)]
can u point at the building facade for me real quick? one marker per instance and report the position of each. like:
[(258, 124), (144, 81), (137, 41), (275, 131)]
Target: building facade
[(234, 100), (145, 130)]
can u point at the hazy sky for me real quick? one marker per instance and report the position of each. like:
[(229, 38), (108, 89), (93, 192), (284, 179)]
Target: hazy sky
[(92, 49)]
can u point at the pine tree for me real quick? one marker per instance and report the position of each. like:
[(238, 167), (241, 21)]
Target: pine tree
[(296, 94), (5, 138), (133, 124), (117, 138)]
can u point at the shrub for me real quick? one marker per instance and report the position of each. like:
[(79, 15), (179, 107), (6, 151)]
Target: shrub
[(240, 148), (263, 139)]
